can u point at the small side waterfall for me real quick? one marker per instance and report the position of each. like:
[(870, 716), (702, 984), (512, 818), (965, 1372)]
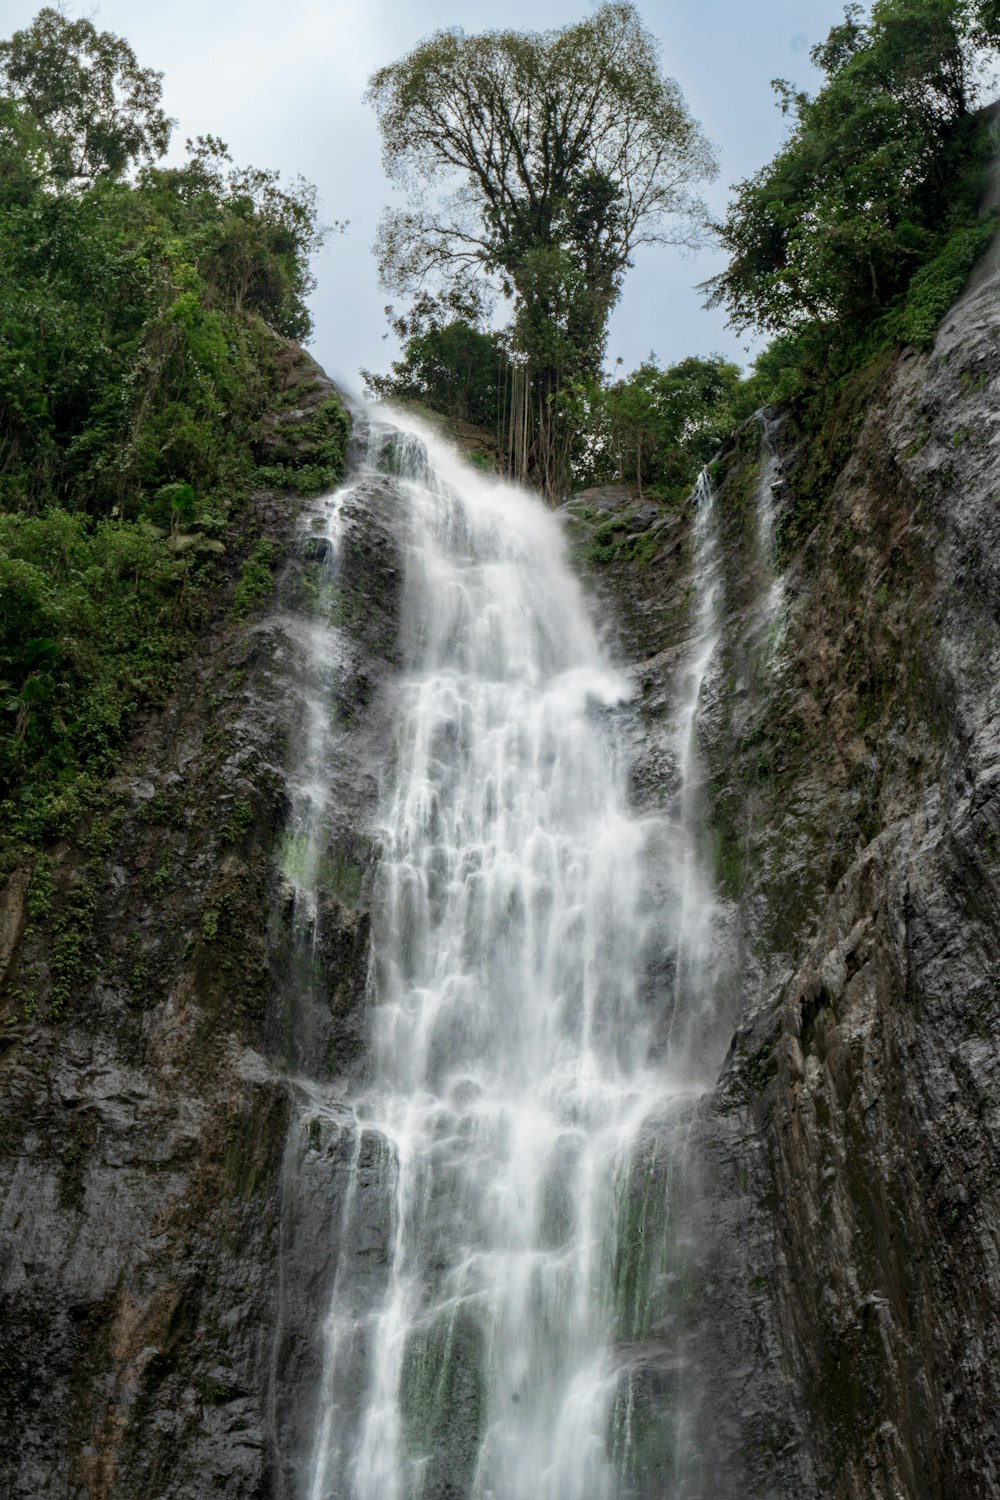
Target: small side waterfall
[(770, 478), (500, 1247), (695, 919), (306, 835)]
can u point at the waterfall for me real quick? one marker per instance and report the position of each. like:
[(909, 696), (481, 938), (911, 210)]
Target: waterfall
[(695, 918), (306, 831), (497, 1254), (773, 597)]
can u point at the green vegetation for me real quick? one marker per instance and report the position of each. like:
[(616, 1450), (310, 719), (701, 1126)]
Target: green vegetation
[(659, 428), (863, 230), (71, 926), (572, 149), (857, 237), (936, 286), (656, 428), (448, 363), (255, 578), (93, 110), (238, 823), (312, 458), (140, 315), (94, 615)]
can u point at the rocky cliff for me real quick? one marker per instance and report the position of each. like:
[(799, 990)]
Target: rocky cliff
[(165, 1230), (149, 1031), (845, 1310)]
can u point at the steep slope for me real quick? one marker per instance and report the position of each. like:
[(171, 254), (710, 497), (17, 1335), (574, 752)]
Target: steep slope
[(830, 1236), (144, 1115), (849, 732), (879, 1126)]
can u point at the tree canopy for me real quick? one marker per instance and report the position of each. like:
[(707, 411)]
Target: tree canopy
[(126, 350), (659, 427), (138, 311), (97, 111), (448, 363), (878, 172), (535, 164)]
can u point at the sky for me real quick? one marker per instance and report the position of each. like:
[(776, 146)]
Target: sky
[(282, 82)]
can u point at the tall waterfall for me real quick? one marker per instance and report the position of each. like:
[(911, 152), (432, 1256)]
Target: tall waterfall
[(518, 1046)]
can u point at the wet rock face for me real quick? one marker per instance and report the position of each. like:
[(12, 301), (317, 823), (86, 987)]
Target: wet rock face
[(849, 1316), (144, 1132), (165, 1228), (881, 1120), (849, 1280)]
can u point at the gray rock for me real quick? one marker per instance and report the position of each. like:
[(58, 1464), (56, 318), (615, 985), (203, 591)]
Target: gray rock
[(169, 1209)]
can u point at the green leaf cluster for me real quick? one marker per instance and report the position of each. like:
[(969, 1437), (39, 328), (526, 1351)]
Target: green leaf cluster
[(93, 617), (658, 428), (883, 172), (96, 112), (139, 324), (536, 163), (937, 284), (133, 345), (448, 363)]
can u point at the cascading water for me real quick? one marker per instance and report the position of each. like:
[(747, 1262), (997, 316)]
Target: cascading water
[(306, 833), (515, 1061), (770, 477), (695, 918)]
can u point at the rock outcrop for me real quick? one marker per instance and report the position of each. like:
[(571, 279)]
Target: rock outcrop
[(166, 1217), (147, 1041), (847, 1313)]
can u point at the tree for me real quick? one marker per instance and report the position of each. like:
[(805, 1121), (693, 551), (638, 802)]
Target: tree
[(659, 427), (131, 344), (255, 234), (135, 370), (536, 164), (98, 112), (22, 153), (448, 363), (880, 168)]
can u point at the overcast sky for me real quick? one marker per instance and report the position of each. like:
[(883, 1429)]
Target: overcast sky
[(281, 81)]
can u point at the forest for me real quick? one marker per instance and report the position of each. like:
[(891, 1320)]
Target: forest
[(141, 304), (141, 312)]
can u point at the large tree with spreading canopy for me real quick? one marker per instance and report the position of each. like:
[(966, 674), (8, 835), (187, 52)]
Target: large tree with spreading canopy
[(97, 111), (534, 165)]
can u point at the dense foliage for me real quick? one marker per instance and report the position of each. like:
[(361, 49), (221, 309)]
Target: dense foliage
[(537, 162), (880, 181), (863, 230), (448, 363), (138, 322), (656, 428), (859, 235), (96, 112), (659, 427), (94, 615)]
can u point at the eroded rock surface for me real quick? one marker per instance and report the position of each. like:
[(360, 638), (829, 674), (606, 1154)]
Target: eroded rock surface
[(848, 1306), (166, 1227), (145, 1126)]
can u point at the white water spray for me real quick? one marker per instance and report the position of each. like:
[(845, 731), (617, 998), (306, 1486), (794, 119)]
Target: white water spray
[(307, 833), (513, 1075), (695, 920)]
